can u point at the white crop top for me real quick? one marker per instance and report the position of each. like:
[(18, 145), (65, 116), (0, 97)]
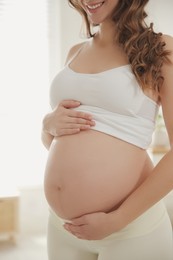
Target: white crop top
[(114, 98)]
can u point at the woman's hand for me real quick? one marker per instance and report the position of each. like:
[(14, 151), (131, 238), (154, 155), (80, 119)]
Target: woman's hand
[(65, 121), (93, 226)]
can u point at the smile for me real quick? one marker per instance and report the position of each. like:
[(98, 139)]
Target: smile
[(94, 6)]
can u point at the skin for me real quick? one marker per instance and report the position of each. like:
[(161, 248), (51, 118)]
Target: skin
[(160, 180), (72, 122)]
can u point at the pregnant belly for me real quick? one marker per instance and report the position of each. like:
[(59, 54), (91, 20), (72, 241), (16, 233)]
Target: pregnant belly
[(90, 172)]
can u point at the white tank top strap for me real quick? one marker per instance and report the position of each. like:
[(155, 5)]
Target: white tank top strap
[(75, 54)]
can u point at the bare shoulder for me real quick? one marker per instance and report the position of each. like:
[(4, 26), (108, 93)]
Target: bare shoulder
[(168, 39), (73, 50), (168, 66), (166, 91)]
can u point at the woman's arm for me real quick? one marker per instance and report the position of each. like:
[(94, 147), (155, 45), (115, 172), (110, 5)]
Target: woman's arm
[(160, 182), (154, 188)]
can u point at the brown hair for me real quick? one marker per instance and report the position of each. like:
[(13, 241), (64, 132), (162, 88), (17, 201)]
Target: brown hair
[(144, 47)]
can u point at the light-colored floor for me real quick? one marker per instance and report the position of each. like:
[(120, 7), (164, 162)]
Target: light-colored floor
[(26, 248)]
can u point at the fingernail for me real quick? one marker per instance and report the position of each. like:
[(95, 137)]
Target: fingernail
[(67, 221), (66, 226), (93, 123)]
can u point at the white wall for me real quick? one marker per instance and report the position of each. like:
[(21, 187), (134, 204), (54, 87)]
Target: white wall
[(33, 211), (54, 37), (70, 28), (160, 12)]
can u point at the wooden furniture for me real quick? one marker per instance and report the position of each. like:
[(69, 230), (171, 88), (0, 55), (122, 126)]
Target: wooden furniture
[(9, 214)]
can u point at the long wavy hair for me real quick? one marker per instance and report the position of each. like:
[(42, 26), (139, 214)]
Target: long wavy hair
[(144, 48)]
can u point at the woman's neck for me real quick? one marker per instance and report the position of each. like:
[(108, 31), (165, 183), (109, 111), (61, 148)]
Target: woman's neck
[(105, 35)]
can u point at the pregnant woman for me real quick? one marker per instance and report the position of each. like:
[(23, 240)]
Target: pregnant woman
[(104, 193)]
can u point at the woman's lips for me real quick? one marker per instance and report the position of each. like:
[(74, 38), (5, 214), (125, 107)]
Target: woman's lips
[(92, 8)]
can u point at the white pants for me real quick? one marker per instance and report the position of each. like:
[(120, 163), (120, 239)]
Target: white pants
[(149, 237)]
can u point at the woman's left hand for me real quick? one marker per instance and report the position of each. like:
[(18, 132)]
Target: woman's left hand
[(92, 226)]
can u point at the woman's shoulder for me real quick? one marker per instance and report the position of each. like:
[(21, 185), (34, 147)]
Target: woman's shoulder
[(168, 39), (74, 50)]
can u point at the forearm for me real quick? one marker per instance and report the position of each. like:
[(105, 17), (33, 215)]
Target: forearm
[(46, 139), (153, 189)]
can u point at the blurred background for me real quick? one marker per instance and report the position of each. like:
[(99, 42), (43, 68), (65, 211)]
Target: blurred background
[(35, 36)]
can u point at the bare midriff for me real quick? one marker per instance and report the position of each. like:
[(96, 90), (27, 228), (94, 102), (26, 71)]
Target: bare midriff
[(91, 172)]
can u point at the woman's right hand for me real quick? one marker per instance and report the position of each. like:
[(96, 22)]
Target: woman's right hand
[(65, 121)]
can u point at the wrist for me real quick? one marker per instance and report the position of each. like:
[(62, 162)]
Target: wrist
[(116, 220), (46, 123)]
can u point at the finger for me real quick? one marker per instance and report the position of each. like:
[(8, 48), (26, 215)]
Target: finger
[(81, 127), (79, 232), (81, 121), (68, 131), (79, 236), (67, 125), (78, 221), (69, 103), (85, 127), (79, 114), (72, 228), (76, 126), (76, 234)]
